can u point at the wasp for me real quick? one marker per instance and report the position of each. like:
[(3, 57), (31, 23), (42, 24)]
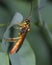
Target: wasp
[(24, 28)]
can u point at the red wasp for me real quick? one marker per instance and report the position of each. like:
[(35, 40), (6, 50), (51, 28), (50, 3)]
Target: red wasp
[(24, 28)]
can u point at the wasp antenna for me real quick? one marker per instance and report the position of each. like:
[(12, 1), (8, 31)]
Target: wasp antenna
[(30, 11)]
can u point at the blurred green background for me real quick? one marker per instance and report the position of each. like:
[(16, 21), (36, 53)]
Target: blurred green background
[(37, 47)]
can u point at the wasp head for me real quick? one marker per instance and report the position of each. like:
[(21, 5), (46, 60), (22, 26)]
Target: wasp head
[(27, 21)]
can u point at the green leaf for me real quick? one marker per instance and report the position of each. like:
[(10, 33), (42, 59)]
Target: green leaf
[(35, 51), (4, 60)]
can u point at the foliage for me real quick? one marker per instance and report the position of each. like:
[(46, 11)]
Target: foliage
[(36, 47)]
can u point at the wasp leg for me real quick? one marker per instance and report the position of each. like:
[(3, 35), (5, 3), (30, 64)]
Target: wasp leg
[(16, 28), (19, 24), (11, 39), (22, 24), (28, 29)]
